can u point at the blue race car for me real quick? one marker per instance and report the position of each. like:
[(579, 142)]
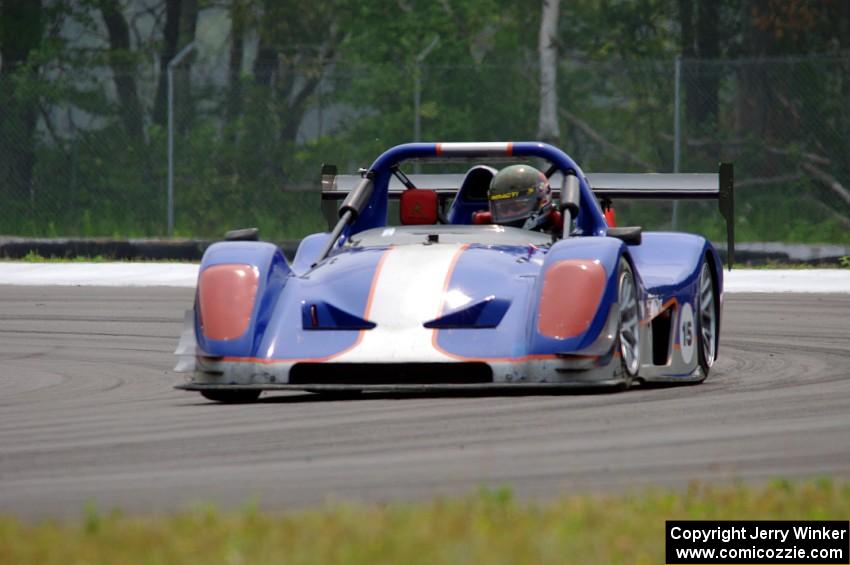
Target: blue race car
[(448, 299)]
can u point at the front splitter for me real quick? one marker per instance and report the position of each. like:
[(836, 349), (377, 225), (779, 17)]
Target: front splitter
[(198, 387)]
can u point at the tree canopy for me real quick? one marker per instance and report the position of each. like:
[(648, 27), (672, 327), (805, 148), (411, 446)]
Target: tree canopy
[(275, 88)]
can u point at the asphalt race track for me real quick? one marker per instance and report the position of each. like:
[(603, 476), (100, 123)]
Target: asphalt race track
[(88, 415)]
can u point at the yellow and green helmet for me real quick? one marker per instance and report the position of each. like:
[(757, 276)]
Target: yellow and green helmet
[(516, 193)]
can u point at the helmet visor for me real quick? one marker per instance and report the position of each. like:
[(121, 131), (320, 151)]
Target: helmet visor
[(511, 209)]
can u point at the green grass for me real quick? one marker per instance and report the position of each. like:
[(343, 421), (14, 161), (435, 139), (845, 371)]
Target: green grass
[(490, 526), (772, 264), (34, 257)]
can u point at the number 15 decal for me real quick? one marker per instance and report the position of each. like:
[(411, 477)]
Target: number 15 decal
[(686, 333)]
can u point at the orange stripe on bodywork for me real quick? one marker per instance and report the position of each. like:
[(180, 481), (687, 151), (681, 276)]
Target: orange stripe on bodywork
[(446, 282), (369, 299), (672, 302), (226, 296), (509, 150), (366, 313), (439, 149), (521, 359), (456, 357), (572, 290)]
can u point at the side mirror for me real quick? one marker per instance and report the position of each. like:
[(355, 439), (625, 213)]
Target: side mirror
[(244, 234)]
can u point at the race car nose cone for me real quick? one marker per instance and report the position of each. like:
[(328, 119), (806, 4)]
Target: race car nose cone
[(572, 291), (226, 299)]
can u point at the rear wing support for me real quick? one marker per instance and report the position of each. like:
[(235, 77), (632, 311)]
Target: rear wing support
[(726, 202)]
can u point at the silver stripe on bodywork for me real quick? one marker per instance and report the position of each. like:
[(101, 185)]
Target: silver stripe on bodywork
[(407, 293)]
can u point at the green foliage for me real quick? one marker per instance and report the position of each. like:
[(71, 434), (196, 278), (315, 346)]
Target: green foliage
[(335, 83), (34, 257), (491, 526)]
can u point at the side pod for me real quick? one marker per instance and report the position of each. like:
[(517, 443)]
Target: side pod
[(238, 284), (574, 267)]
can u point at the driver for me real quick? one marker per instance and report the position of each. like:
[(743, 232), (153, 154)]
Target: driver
[(520, 196)]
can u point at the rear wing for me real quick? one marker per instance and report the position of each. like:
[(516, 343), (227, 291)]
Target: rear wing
[(718, 186), (660, 186)]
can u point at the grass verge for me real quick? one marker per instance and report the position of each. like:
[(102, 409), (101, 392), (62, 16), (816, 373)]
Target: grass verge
[(489, 526), (841, 263), (34, 257)]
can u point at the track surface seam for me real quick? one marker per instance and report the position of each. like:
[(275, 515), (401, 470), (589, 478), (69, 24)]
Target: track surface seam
[(89, 416)]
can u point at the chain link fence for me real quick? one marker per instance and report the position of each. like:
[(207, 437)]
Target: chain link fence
[(87, 155)]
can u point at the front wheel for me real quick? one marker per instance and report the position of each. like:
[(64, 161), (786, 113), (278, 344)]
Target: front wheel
[(707, 307), (231, 396), (628, 333)]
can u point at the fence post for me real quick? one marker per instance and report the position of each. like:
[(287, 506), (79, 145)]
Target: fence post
[(171, 65), (677, 131), (417, 91)]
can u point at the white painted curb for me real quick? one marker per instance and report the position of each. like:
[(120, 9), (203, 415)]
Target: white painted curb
[(99, 274), (788, 280), (185, 275)]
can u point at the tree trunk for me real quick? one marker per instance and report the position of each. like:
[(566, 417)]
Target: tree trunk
[(21, 30), (234, 67), (547, 125), (265, 64), (171, 35), (690, 66), (703, 109), (754, 97), (295, 90), (844, 46), (123, 73)]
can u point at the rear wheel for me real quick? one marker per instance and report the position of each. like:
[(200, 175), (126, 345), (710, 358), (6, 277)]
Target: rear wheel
[(629, 323), (231, 396), (707, 319)]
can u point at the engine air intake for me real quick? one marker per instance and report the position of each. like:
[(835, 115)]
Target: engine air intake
[(390, 373)]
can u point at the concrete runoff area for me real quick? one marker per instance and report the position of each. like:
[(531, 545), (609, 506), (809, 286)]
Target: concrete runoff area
[(88, 415)]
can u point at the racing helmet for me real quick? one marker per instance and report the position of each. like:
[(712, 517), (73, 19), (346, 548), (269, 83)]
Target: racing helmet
[(517, 193)]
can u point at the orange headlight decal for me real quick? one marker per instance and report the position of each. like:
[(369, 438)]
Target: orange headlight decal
[(226, 296), (572, 290)]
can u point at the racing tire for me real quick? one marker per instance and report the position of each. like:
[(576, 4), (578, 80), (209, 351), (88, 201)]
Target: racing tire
[(628, 327), (231, 396), (707, 320)]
